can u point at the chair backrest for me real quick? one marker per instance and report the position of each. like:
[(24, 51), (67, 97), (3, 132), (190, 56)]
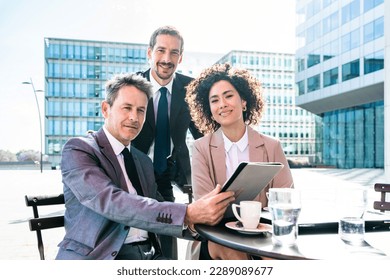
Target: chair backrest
[(38, 223), (382, 205)]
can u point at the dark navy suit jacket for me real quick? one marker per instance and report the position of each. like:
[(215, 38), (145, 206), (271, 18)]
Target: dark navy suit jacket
[(179, 121)]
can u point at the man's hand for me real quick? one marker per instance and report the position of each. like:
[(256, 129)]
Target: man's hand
[(210, 208)]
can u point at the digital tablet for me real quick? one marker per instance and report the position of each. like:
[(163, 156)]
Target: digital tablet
[(249, 179)]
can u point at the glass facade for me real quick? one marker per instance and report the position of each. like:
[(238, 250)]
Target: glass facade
[(340, 59), (353, 137), (75, 75)]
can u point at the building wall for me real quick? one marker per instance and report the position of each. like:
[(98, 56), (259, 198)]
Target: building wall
[(75, 76), (76, 72), (340, 77)]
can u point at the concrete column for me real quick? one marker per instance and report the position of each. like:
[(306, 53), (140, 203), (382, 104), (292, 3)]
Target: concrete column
[(387, 91)]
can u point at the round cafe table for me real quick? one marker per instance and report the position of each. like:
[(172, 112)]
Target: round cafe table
[(308, 246)]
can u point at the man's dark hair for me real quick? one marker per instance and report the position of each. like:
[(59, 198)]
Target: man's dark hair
[(166, 30)]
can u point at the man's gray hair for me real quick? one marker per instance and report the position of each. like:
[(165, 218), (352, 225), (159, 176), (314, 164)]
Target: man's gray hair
[(128, 79)]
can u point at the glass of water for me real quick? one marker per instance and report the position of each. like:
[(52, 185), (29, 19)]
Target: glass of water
[(351, 205), (285, 207)]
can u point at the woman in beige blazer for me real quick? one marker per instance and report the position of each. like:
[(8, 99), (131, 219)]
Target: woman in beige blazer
[(224, 102)]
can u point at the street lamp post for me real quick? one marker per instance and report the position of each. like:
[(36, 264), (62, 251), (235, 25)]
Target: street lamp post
[(40, 119)]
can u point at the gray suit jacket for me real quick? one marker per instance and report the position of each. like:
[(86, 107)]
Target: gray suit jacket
[(99, 210)]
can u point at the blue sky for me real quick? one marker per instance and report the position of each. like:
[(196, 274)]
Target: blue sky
[(216, 26)]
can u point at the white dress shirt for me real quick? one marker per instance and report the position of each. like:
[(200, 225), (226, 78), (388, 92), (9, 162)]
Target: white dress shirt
[(236, 152), (135, 234)]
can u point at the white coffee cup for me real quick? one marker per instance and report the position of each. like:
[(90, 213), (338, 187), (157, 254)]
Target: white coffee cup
[(250, 213)]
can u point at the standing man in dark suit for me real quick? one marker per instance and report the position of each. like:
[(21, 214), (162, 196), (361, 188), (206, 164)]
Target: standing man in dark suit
[(170, 156)]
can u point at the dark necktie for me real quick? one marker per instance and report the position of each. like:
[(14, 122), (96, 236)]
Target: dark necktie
[(162, 145), (132, 171)]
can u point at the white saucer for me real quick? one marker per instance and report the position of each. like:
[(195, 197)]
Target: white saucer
[(261, 228)]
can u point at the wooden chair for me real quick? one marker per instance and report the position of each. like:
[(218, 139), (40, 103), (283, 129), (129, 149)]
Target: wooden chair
[(382, 205), (40, 223)]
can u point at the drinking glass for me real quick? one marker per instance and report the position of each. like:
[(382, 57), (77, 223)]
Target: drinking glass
[(351, 205), (285, 207)]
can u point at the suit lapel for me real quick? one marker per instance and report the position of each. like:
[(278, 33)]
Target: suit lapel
[(140, 172), (256, 146), (150, 118), (108, 152), (177, 101), (217, 150)]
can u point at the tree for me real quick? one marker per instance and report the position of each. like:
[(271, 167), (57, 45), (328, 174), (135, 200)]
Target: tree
[(6, 156), (28, 155)]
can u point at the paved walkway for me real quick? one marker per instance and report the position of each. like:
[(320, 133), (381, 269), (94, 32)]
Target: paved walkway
[(17, 242)]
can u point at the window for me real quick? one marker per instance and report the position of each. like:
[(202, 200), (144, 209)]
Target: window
[(77, 52), (313, 59), (84, 52), (330, 23), (64, 51), (350, 41), (313, 33), (91, 53), (288, 63), (331, 50), (54, 51), (111, 54), (350, 70), (373, 30), (350, 11), (369, 4), (301, 87), (326, 3), (331, 77), (313, 83), (300, 64), (70, 51), (374, 62), (313, 8)]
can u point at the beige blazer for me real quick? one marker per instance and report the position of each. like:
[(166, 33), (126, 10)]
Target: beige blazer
[(209, 168)]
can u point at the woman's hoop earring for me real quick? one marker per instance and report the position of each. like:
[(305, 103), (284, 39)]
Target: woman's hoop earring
[(244, 109)]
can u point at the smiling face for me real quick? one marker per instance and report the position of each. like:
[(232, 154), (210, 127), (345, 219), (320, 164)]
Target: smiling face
[(164, 58), (226, 104), (125, 118)]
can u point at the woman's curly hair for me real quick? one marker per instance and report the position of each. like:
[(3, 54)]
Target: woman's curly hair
[(248, 87)]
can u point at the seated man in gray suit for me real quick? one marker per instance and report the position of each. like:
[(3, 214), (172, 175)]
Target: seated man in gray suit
[(111, 212)]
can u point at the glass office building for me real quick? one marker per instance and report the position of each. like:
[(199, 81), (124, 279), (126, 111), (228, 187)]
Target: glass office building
[(340, 77), (294, 126), (75, 75), (76, 72)]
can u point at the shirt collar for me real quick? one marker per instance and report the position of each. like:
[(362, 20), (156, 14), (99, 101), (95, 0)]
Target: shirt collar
[(157, 86), (241, 144), (115, 144)]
